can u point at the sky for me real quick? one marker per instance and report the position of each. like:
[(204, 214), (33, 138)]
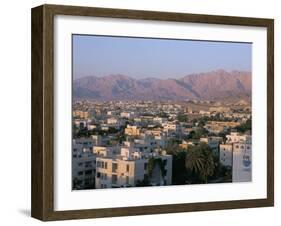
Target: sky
[(159, 58)]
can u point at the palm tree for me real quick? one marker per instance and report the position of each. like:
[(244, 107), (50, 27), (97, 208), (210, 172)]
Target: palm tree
[(199, 159), (209, 165), (194, 160)]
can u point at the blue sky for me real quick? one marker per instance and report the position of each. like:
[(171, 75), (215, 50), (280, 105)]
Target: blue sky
[(159, 58)]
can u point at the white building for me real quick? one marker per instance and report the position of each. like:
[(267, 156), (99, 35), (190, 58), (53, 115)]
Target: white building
[(83, 165), (213, 143), (96, 139), (235, 137), (172, 128), (226, 153), (242, 162), (112, 121), (126, 114), (159, 120), (237, 154), (130, 168)]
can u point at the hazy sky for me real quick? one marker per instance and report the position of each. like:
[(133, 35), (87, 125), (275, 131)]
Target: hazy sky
[(160, 58)]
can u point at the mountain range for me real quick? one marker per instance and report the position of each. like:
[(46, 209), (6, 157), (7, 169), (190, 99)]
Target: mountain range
[(214, 85)]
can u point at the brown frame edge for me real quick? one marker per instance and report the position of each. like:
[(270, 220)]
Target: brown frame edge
[(42, 194)]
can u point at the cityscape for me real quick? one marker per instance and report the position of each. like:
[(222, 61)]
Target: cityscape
[(137, 131)]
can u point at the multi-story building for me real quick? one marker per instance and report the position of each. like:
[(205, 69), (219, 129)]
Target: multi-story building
[(237, 154), (83, 165), (96, 139), (132, 131), (126, 114), (130, 168), (81, 114), (235, 137), (242, 159), (112, 121), (226, 153), (172, 128)]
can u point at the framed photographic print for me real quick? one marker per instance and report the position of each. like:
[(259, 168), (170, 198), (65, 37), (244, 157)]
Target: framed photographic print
[(141, 112)]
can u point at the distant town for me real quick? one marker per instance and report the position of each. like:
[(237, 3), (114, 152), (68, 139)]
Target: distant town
[(119, 144)]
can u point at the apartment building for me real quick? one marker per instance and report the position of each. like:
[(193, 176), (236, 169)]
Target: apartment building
[(81, 114), (237, 154), (130, 168), (83, 165), (172, 128), (132, 131)]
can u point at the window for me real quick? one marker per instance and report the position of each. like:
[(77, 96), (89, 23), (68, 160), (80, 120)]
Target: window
[(165, 162), (145, 166), (80, 173), (128, 168), (105, 165), (98, 175), (114, 167), (102, 164), (88, 172), (80, 164)]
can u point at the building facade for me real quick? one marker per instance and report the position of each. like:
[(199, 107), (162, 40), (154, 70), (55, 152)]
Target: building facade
[(237, 155)]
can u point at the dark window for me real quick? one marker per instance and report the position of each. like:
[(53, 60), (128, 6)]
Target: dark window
[(88, 172), (145, 166), (114, 167)]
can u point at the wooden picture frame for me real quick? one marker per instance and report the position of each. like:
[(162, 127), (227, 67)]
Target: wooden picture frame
[(42, 203)]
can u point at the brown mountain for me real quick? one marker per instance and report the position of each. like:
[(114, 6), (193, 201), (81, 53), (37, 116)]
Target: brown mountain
[(213, 85)]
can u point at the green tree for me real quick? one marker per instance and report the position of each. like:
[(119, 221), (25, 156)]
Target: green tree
[(245, 126), (182, 118), (200, 160)]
